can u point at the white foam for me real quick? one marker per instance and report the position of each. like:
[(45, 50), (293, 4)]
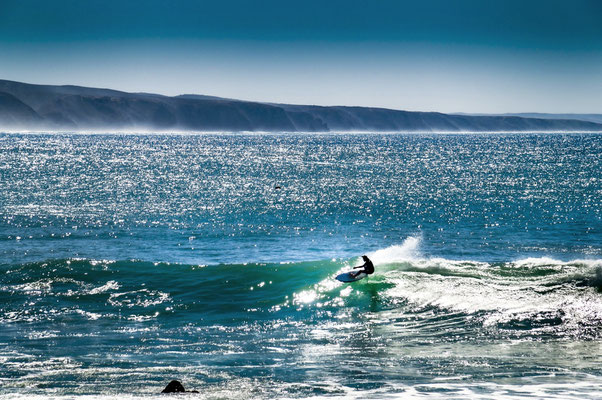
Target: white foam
[(552, 262), (407, 251), (110, 285), (480, 287)]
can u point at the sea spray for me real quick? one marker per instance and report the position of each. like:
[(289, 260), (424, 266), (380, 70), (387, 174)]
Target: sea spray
[(407, 251)]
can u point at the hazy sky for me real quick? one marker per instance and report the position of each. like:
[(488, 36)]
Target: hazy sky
[(449, 56)]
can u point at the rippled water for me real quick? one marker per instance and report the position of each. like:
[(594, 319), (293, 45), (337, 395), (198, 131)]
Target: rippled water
[(131, 260)]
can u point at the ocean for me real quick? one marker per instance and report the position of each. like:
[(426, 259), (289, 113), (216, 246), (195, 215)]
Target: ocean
[(131, 260)]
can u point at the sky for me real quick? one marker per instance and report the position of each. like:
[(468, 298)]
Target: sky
[(428, 55)]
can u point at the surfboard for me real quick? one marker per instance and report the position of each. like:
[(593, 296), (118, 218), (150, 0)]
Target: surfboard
[(346, 277)]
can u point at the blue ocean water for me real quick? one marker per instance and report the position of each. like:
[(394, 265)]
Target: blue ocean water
[(131, 260)]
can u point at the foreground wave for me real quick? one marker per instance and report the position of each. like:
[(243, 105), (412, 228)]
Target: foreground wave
[(533, 295), (418, 327)]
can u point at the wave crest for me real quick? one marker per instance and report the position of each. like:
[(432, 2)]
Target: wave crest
[(538, 293)]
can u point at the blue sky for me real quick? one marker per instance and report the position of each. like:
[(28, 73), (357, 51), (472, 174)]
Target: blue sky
[(449, 56)]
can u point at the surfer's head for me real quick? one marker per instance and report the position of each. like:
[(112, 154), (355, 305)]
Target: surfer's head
[(365, 257)]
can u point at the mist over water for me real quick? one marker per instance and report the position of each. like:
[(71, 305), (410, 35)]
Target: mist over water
[(131, 260)]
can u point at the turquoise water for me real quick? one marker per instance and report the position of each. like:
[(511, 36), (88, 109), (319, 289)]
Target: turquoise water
[(131, 260)]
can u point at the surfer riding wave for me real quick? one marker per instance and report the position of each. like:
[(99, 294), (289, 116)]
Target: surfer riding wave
[(367, 268)]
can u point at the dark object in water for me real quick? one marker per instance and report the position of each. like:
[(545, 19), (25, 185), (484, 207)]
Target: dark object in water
[(176, 387), (277, 187)]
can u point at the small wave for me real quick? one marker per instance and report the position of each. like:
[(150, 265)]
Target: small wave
[(536, 262)]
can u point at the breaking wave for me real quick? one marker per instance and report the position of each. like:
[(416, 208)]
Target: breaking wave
[(534, 295)]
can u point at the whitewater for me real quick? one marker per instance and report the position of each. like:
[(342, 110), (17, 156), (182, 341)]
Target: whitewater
[(132, 260)]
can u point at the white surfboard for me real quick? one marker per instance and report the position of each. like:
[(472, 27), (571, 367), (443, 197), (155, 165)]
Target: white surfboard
[(346, 277)]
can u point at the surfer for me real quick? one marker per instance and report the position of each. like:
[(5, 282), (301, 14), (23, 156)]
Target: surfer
[(368, 268)]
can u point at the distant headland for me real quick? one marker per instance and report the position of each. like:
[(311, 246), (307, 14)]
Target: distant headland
[(26, 106)]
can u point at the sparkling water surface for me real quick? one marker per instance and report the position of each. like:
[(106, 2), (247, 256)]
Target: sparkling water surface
[(131, 260)]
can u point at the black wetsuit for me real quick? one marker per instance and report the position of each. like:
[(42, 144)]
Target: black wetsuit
[(368, 268)]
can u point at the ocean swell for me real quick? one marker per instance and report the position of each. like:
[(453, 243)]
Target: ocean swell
[(536, 295)]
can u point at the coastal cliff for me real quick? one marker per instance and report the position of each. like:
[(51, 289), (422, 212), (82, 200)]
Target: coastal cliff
[(44, 107)]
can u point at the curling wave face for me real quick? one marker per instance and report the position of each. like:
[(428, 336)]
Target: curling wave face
[(537, 295)]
